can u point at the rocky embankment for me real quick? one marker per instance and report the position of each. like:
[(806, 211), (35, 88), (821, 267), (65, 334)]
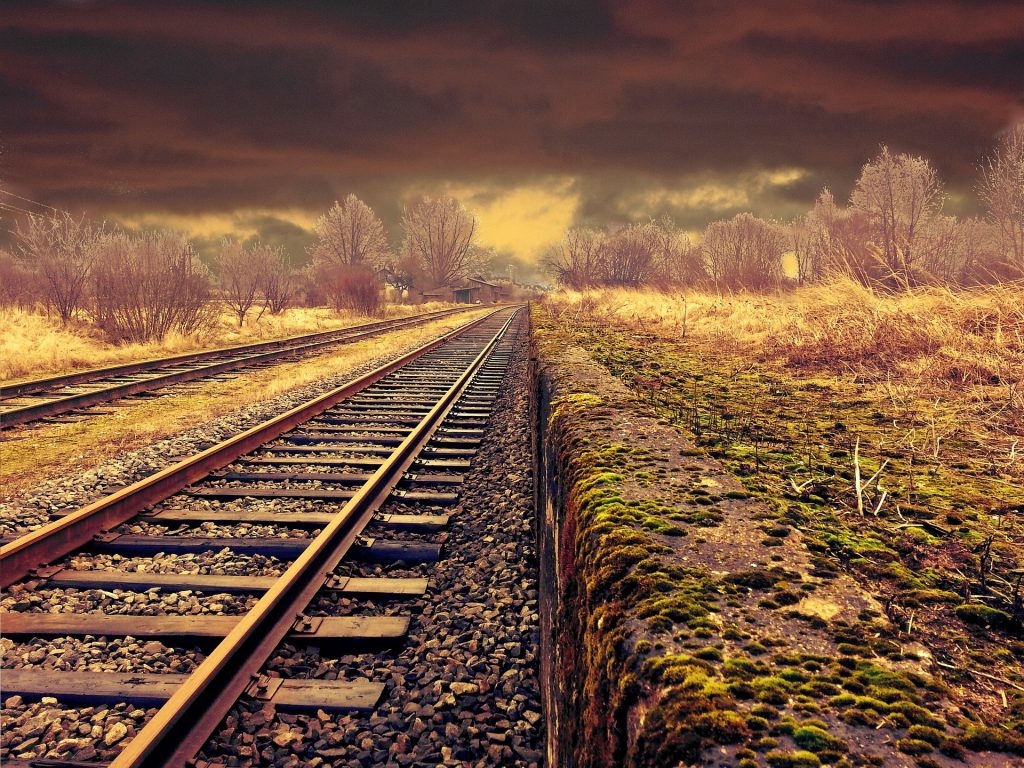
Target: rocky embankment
[(682, 624)]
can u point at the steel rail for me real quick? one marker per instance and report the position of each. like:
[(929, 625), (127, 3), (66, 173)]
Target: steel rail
[(92, 374), (28, 413), (76, 529), (180, 728)]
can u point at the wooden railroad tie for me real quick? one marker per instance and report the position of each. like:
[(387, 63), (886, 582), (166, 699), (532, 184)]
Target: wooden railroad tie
[(148, 690)]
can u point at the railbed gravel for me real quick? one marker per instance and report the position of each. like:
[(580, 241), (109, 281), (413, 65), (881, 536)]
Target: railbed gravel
[(123, 602), (45, 729), (33, 508), (222, 562), (463, 688), (91, 654), (210, 530)]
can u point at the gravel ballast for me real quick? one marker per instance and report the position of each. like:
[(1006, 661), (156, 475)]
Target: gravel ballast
[(462, 689)]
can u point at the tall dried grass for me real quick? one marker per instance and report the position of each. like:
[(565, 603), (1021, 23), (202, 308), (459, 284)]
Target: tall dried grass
[(34, 344), (971, 336)]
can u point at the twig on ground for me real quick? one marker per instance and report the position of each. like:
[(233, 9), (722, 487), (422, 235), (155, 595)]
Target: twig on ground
[(860, 486), (979, 673)]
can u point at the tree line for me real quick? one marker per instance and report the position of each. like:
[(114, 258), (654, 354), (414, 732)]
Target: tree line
[(140, 286), (892, 233)]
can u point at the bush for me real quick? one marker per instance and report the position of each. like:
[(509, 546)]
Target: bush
[(148, 286), (19, 285), (357, 288)]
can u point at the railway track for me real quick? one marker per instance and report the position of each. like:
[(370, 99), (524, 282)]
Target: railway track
[(359, 476), (54, 396)]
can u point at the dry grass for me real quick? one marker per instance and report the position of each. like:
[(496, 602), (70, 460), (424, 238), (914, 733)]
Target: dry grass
[(960, 337), (33, 344), (32, 455), (954, 359)]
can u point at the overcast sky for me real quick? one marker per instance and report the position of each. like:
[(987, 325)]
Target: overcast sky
[(251, 118)]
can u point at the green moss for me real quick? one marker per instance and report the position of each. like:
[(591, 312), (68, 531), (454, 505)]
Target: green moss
[(751, 579), (816, 739), (709, 654), (926, 733), (755, 649), (721, 726), (764, 710), (772, 690), (913, 746), (983, 615), (799, 759), (757, 724), (994, 740)]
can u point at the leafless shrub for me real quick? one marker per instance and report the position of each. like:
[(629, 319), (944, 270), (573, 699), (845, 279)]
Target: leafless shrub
[(280, 285), (1002, 189), (680, 262), (440, 237), (148, 285), (20, 286), (355, 288), (631, 256), (650, 253), (744, 252), (960, 252), (576, 261), (404, 274), (60, 248)]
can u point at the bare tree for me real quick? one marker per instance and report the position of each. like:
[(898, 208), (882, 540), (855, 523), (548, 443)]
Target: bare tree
[(280, 282), (1002, 189), (350, 234), (678, 261), (744, 252), (149, 285), (439, 235), (60, 248), (900, 195), (576, 261), (242, 271), (630, 256)]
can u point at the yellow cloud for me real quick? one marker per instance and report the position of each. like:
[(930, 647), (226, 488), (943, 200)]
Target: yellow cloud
[(239, 224), (715, 194), (523, 220)]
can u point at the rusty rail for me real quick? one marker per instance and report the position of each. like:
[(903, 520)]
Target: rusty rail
[(31, 386), (183, 724), (63, 536)]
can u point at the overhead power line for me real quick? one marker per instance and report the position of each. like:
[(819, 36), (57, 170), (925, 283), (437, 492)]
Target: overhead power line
[(8, 207), (27, 200)]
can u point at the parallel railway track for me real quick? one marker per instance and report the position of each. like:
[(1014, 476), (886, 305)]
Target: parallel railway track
[(29, 401), (385, 453)]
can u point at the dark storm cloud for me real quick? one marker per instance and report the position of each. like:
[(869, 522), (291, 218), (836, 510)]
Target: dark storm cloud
[(190, 106)]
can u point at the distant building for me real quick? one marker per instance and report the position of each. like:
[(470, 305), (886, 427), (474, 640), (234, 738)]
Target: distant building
[(473, 290)]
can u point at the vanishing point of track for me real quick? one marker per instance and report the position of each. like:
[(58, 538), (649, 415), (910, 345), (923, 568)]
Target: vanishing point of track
[(29, 401), (400, 435)]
